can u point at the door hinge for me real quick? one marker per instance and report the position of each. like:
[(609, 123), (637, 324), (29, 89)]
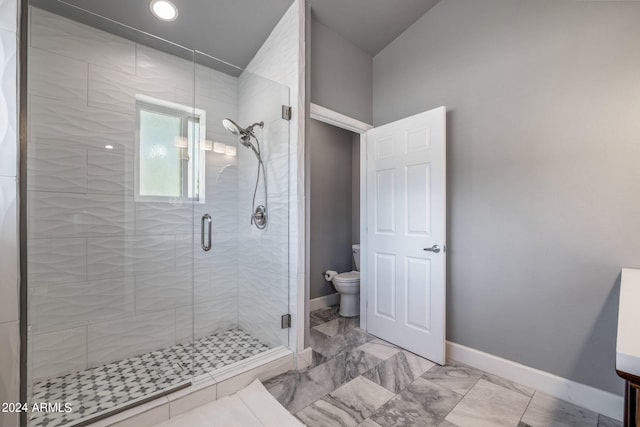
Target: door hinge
[(286, 112), (285, 321)]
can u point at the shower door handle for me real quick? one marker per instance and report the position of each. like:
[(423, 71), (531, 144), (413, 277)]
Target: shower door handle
[(205, 218)]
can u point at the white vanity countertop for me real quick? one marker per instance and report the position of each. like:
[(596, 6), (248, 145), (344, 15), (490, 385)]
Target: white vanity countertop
[(628, 342)]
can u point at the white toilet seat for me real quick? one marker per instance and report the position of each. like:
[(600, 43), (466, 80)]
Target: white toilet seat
[(350, 277)]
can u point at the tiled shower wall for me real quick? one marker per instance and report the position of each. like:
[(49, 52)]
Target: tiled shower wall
[(9, 320), (263, 273), (280, 59), (110, 277)]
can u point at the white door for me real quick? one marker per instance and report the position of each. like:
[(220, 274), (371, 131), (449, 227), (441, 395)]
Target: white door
[(405, 246)]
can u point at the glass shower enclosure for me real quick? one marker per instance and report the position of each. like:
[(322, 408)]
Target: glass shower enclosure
[(145, 268)]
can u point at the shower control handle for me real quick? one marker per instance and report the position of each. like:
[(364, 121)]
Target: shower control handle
[(205, 247)]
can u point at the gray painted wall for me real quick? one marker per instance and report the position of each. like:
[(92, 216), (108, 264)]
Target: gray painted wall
[(543, 100), (330, 197), (341, 74)]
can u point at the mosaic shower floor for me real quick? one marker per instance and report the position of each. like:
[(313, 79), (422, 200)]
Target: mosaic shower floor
[(96, 390)]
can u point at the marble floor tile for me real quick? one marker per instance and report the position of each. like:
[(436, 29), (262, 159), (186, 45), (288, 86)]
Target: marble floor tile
[(317, 359), (527, 391), (322, 413), (446, 423), (422, 403), (368, 423), (342, 368), (347, 406), (489, 405), (547, 411), (380, 349), (457, 378), (604, 421), (316, 337), (295, 390), (338, 326), (323, 315), (351, 339), (398, 371), (503, 382)]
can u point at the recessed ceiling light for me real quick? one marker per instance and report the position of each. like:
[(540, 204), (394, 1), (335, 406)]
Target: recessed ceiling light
[(109, 147), (164, 10)]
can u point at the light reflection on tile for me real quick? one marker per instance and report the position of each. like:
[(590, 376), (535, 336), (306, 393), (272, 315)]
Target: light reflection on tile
[(545, 410), (398, 371), (381, 349), (487, 404), (422, 403), (457, 378)]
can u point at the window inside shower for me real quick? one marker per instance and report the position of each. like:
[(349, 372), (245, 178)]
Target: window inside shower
[(169, 162), (123, 303)]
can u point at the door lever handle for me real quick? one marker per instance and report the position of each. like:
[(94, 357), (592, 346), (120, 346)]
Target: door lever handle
[(434, 248)]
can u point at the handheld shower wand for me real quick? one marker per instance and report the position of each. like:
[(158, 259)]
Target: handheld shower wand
[(259, 214)]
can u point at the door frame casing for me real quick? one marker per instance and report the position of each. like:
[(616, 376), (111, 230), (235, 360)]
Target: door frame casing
[(342, 121)]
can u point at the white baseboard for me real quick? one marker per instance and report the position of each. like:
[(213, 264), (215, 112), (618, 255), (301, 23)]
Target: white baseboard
[(305, 358), (588, 397), (324, 302)]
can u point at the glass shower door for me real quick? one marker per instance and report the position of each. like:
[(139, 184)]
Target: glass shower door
[(114, 171)]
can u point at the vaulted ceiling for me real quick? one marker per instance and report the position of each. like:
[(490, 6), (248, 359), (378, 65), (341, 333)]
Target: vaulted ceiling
[(234, 30)]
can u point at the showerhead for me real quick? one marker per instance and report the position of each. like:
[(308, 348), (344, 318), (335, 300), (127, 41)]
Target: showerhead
[(244, 134), (233, 127)]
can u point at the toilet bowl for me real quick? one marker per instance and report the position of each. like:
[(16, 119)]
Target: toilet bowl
[(348, 286)]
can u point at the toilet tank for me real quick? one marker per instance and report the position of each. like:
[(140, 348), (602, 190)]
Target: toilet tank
[(356, 255)]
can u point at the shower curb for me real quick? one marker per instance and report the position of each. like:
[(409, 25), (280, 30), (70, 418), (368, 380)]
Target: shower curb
[(205, 388)]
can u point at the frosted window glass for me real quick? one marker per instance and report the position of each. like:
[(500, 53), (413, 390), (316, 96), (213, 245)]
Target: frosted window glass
[(160, 158)]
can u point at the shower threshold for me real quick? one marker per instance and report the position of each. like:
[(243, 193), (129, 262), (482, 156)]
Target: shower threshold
[(110, 388)]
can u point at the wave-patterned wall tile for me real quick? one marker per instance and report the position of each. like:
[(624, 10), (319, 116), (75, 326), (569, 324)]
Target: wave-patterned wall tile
[(57, 169), (276, 135), (278, 176), (189, 252), (125, 256), (119, 339), (184, 324), (224, 267), (223, 87), (8, 104), (55, 76), (266, 97), (8, 252), (200, 87), (161, 291), (215, 316), (263, 322), (78, 215), (95, 127), (68, 305), (56, 261), (164, 218), (222, 196), (278, 223), (113, 90), (165, 69), (215, 108), (10, 369), (109, 173), (74, 40), (58, 353), (8, 15)]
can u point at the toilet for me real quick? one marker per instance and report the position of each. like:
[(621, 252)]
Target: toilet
[(348, 286)]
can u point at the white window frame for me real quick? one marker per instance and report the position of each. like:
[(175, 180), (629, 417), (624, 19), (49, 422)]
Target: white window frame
[(184, 111)]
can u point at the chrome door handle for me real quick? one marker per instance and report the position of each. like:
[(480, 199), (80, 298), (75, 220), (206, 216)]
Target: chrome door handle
[(205, 247), (434, 248)]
